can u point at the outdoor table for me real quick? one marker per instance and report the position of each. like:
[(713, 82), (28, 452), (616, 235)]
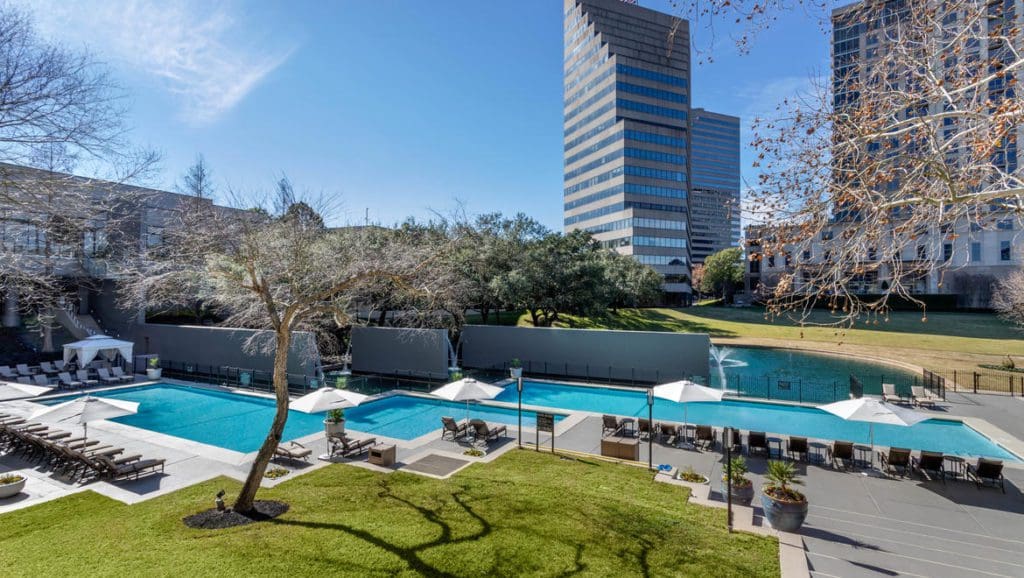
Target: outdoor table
[(955, 467), (864, 455), (816, 453), (628, 426), (774, 441), (382, 455)]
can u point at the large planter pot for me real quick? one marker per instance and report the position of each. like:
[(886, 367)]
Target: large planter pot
[(516, 372), (742, 495), (784, 516), (9, 490), (154, 374), (334, 428)]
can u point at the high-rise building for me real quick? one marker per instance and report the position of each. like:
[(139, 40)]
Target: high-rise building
[(628, 135), (714, 183)]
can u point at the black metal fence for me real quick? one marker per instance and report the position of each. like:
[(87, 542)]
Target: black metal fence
[(590, 373), (973, 381)]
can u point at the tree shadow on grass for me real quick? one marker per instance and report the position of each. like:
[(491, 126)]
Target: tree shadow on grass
[(412, 556), (646, 320)]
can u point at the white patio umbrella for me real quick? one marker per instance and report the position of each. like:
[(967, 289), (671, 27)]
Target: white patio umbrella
[(86, 409), (16, 389), (467, 390), (326, 399), (872, 411), (687, 392)]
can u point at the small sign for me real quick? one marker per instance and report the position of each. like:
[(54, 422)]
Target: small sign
[(546, 422)]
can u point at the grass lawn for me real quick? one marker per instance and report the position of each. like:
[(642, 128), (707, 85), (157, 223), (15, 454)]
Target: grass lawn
[(944, 341), (524, 514)]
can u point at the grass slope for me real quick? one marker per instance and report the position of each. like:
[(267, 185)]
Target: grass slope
[(944, 341), (524, 514)]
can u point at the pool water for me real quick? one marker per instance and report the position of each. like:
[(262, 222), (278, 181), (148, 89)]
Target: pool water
[(240, 422), (946, 436), (751, 363)]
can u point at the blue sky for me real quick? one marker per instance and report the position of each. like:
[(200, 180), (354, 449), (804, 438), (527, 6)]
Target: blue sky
[(401, 107)]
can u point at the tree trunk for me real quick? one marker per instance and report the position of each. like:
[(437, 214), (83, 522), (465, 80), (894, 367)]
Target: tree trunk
[(533, 317), (247, 495), (484, 314), (382, 318)]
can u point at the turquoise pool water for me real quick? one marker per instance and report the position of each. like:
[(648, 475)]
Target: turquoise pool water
[(752, 364), (240, 422), (938, 435)]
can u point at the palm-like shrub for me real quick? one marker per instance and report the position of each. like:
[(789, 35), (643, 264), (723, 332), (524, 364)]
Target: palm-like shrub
[(781, 475)]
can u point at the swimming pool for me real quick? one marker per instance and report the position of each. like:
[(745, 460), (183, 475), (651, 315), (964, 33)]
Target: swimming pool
[(240, 422), (947, 436)]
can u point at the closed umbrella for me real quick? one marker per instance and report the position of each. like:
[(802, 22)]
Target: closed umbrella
[(86, 409), (872, 411), (326, 399), (467, 390)]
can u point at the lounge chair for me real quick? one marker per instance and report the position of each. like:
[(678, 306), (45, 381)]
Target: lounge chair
[(25, 379), (293, 451), (923, 397), (105, 376), (987, 472), (345, 447), (457, 429), (118, 373), (609, 424), (704, 436), (797, 446), (7, 373), (83, 376), (931, 465), (889, 394), (757, 442), (48, 368), (24, 370), (896, 460), (481, 431), (64, 379), (60, 365), (841, 452), (645, 428), (41, 379), (127, 468), (668, 433)]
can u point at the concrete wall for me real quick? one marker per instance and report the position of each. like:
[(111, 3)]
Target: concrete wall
[(224, 346), (619, 355), (398, 351)]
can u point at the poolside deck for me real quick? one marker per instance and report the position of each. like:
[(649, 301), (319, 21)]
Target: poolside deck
[(860, 524)]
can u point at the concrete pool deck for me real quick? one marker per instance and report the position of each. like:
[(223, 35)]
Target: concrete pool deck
[(859, 525)]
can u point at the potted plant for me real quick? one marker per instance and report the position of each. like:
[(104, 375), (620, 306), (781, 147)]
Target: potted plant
[(515, 368), (11, 485), (153, 370), (784, 507), (688, 474), (334, 425), (742, 487)]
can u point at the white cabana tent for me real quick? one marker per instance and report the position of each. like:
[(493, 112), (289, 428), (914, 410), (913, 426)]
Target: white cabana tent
[(91, 347)]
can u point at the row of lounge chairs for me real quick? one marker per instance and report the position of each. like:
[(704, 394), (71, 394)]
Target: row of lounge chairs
[(479, 429), (703, 436), (76, 458), (81, 378), (25, 370), (919, 396)]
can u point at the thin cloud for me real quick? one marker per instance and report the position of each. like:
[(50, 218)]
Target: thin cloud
[(198, 51)]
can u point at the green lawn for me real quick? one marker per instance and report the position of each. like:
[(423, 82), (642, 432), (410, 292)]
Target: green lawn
[(958, 332), (524, 514)]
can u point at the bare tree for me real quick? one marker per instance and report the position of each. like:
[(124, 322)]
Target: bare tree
[(874, 177), (59, 109), (1008, 298), (280, 271), (198, 180)]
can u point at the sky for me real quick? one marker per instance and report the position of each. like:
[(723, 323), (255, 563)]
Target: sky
[(393, 108)]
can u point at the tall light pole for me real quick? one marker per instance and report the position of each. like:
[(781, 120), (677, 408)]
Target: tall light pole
[(650, 428), (728, 476)]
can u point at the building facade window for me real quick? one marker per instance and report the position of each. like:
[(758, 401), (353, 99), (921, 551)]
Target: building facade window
[(1005, 251)]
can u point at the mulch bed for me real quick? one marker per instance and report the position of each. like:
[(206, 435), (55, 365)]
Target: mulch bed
[(214, 519)]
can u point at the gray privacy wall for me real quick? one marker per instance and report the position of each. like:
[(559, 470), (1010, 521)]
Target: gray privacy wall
[(645, 356), (223, 346), (397, 351)]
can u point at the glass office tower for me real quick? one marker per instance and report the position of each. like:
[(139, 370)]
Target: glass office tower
[(628, 136), (714, 183)]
